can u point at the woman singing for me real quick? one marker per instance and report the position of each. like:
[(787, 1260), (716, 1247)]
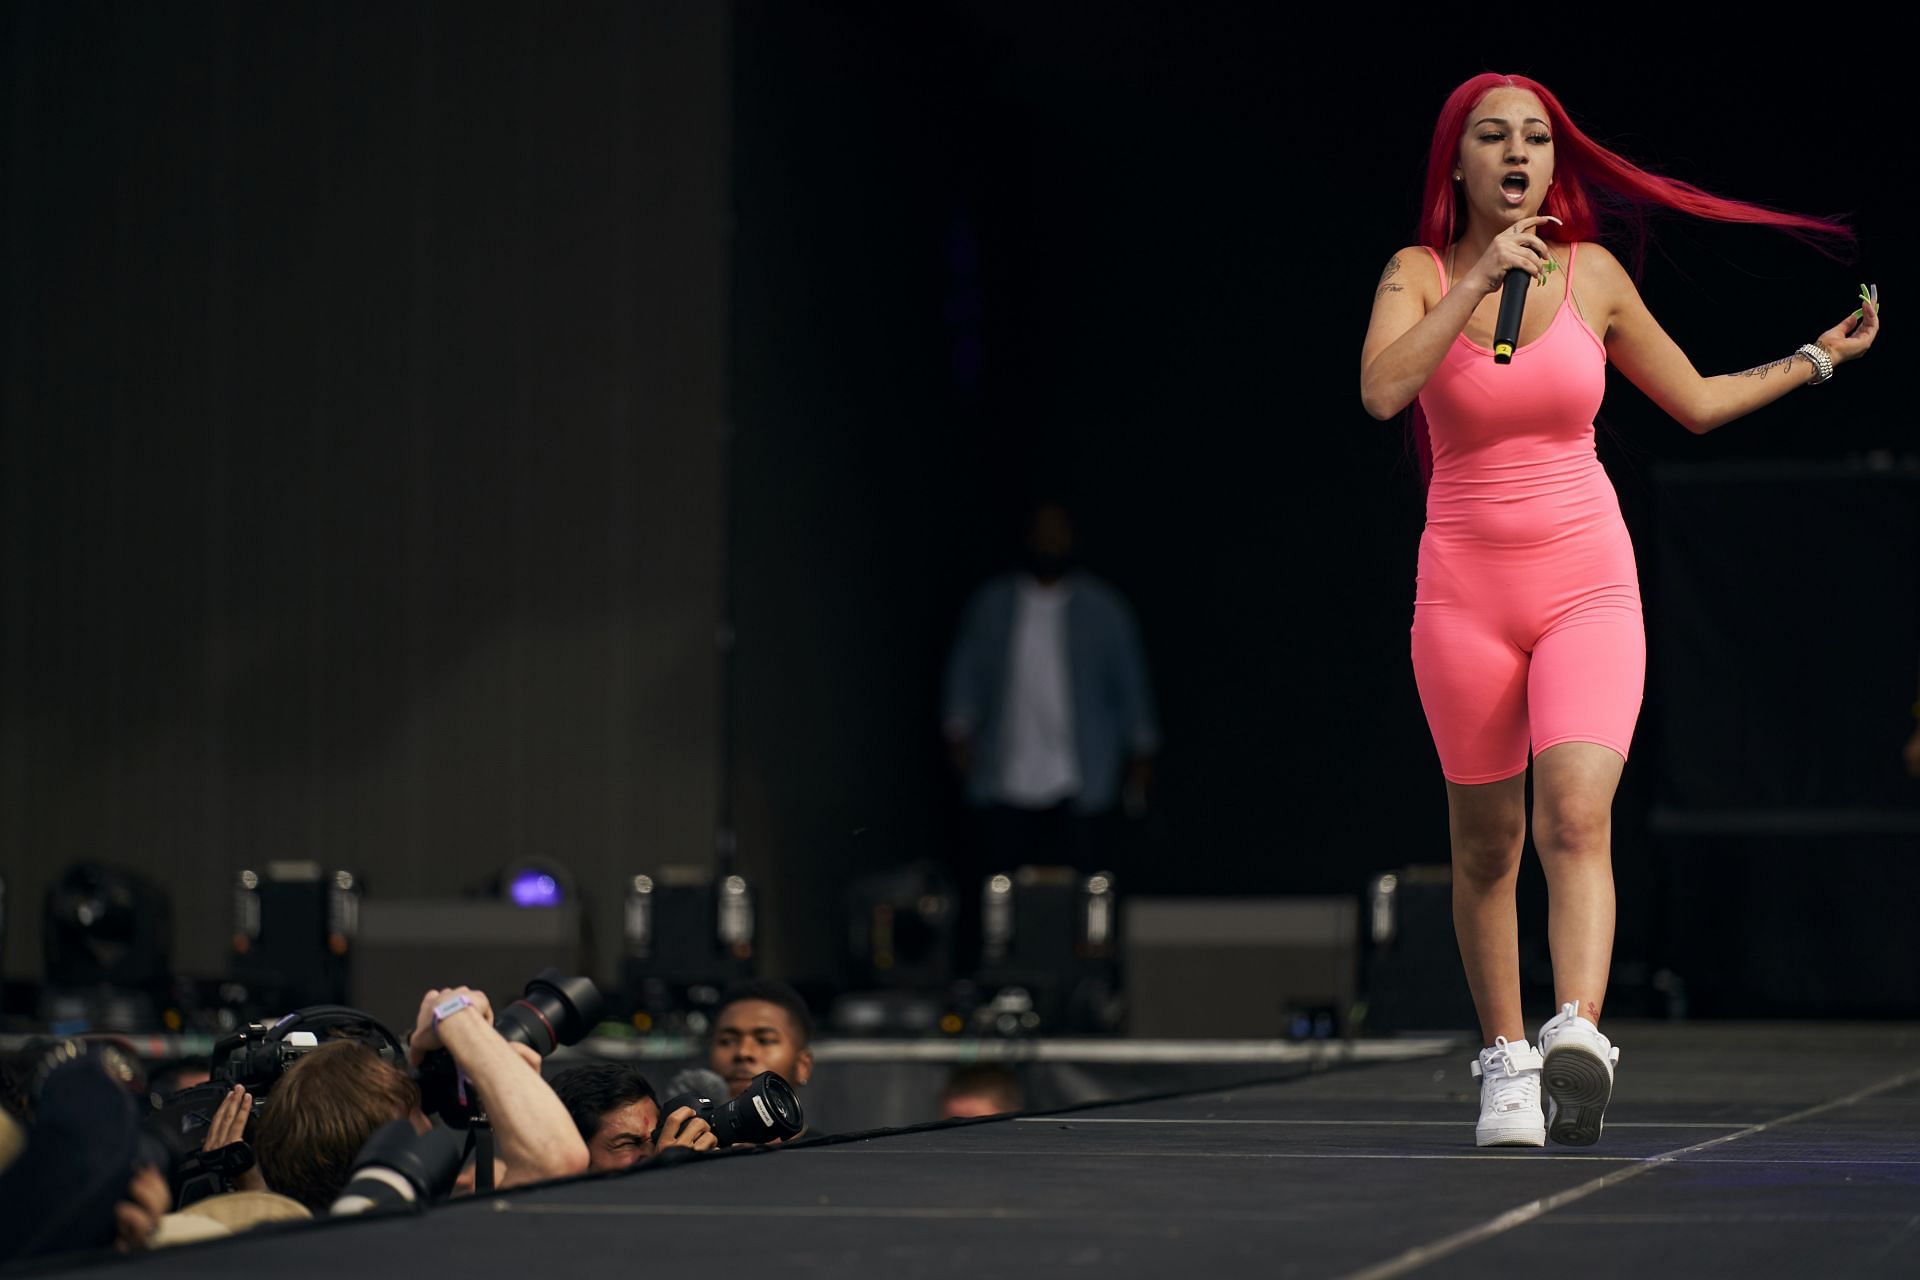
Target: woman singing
[(1526, 620)]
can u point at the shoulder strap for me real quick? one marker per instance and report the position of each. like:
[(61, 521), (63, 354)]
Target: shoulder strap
[(1439, 267)]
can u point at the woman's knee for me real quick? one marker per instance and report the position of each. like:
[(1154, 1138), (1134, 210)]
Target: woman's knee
[(1488, 824), (1563, 831), (1487, 853)]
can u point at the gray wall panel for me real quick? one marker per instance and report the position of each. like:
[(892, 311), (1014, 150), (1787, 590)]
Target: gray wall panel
[(364, 382)]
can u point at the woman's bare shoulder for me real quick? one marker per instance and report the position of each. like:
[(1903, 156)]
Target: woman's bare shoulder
[(1603, 285), (1597, 265), (1411, 270)]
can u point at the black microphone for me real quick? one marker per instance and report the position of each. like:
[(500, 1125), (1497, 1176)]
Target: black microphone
[(1513, 304)]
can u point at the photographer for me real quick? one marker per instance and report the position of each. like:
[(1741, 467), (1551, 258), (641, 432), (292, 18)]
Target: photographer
[(615, 1110), (331, 1100), (74, 1173), (761, 1025), (980, 1089), (321, 1112), (537, 1138)]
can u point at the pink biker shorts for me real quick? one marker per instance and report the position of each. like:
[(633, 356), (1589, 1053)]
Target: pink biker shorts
[(1527, 646)]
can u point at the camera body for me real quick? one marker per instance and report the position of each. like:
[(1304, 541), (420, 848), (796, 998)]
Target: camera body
[(255, 1058), (555, 1009), (765, 1112)]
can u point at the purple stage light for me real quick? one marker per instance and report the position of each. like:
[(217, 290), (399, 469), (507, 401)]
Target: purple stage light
[(534, 889)]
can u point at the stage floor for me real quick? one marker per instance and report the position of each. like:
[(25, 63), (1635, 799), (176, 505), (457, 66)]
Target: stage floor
[(1757, 1151)]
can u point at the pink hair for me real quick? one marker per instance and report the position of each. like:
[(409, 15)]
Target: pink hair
[(1588, 180)]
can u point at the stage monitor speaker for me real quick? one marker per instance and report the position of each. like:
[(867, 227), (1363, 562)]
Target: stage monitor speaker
[(1414, 980), (408, 946), (1239, 968)]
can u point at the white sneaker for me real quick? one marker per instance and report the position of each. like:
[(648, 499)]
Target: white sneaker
[(1578, 1076), (1510, 1116)]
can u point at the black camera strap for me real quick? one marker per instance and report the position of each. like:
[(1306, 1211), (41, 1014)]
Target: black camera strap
[(480, 1147)]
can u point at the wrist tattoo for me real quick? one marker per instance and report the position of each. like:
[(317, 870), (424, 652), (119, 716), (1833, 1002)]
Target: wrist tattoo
[(1762, 371), (1386, 278)]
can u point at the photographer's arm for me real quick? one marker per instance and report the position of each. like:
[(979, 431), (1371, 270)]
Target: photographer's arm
[(537, 1138)]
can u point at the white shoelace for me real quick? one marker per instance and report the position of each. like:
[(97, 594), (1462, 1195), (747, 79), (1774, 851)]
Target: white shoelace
[(1569, 1017), (1504, 1085), (1568, 1013)]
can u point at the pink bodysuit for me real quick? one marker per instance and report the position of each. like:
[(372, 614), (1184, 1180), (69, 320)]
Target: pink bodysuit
[(1526, 619)]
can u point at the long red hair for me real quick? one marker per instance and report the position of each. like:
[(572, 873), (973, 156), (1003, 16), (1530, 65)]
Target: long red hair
[(1595, 193)]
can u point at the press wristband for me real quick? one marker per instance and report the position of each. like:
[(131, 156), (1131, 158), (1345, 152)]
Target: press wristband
[(450, 1006)]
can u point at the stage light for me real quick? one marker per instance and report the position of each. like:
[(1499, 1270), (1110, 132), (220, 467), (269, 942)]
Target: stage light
[(534, 889), (106, 926), (688, 934), (536, 884), (106, 937), (1050, 945), (295, 925), (901, 928)]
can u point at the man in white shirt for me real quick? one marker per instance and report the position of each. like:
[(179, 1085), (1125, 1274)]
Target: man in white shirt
[(1048, 709)]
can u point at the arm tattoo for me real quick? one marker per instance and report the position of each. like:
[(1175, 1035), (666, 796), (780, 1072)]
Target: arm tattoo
[(1765, 369), (1386, 278)]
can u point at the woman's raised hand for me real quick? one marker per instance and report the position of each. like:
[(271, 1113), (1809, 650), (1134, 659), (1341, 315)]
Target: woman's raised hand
[(1850, 339), (1517, 246)]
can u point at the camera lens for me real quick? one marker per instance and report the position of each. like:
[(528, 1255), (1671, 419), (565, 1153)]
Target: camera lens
[(554, 1010), (767, 1110), (785, 1106), (399, 1169)]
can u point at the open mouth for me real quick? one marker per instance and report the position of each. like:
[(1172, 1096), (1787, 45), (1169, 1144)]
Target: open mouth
[(1513, 188)]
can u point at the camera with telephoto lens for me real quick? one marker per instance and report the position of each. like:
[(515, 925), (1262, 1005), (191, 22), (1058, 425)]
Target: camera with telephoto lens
[(554, 1010), (767, 1110), (400, 1171)]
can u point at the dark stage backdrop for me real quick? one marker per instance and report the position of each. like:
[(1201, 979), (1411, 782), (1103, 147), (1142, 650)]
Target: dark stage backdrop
[(364, 406), (1127, 252), (363, 444)]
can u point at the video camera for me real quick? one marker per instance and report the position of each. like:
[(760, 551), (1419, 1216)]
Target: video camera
[(255, 1058)]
